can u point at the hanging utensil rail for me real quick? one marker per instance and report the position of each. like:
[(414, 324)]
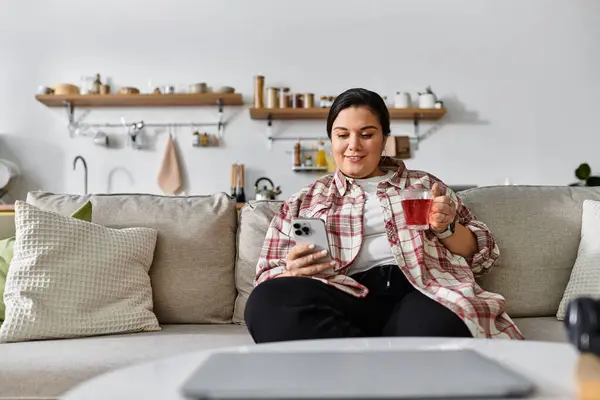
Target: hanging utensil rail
[(75, 125)]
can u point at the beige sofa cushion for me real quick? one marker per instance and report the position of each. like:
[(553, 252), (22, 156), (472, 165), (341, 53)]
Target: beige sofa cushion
[(46, 369), (254, 220), (537, 229), (545, 329), (192, 273)]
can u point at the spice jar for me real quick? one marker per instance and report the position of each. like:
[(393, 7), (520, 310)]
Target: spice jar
[(309, 100), (272, 98), (297, 101), (284, 98), (308, 161)]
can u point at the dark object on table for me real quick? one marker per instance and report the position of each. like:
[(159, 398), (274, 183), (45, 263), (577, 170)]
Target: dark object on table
[(582, 321)]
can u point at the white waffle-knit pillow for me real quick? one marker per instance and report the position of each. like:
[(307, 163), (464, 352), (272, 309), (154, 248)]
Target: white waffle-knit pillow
[(585, 276), (71, 278)]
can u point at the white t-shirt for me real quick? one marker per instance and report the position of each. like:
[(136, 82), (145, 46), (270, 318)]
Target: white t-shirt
[(375, 248)]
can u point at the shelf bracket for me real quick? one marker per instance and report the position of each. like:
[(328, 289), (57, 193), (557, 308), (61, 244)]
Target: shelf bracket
[(220, 124), (70, 111), (417, 138), (269, 131), (70, 108)]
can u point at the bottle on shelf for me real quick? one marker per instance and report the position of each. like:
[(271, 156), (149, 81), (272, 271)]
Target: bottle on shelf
[(196, 139), (321, 158)]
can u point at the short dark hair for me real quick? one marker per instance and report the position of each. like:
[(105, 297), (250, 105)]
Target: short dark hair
[(358, 97)]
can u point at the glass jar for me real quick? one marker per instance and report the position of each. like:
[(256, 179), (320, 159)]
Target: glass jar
[(284, 97), (309, 100), (272, 98)]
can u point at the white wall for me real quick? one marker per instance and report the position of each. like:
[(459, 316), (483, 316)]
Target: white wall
[(521, 80)]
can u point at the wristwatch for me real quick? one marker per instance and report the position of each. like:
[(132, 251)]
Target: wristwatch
[(447, 233)]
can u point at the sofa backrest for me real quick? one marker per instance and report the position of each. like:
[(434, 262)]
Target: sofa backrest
[(192, 273), (537, 229)]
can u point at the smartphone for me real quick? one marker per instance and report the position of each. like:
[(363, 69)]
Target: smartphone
[(313, 231)]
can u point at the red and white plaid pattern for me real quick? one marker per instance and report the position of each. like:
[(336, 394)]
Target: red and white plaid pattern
[(431, 268)]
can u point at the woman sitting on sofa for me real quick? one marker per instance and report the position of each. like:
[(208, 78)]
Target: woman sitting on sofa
[(389, 280)]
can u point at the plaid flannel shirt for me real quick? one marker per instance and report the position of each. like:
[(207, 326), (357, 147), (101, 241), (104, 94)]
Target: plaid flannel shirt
[(430, 267)]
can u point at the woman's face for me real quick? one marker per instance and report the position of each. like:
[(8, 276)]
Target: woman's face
[(357, 142)]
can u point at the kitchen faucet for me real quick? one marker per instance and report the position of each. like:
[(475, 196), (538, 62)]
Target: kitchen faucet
[(84, 168)]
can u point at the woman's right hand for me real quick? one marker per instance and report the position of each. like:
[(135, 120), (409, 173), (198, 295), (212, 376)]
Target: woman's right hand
[(304, 260)]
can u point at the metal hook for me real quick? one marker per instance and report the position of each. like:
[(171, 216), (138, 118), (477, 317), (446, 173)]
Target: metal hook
[(269, 125)]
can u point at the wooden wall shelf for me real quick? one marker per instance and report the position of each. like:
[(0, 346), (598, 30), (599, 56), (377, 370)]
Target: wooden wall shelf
[(142, 100), (321, 113)]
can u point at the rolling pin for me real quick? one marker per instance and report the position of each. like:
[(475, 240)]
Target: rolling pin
[(234, 180), (242, 176)]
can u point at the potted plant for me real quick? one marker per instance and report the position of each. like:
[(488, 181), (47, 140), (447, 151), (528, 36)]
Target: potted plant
[(584, 174)]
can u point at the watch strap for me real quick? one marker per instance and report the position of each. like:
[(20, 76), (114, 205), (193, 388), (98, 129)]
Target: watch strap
[(447, 233)]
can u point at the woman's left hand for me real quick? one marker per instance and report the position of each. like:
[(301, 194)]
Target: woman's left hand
[(443, 211)]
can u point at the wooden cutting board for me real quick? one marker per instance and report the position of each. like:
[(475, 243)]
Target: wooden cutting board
[(7, 208), (588, 377)]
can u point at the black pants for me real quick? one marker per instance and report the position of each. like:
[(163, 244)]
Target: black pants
[(304, 308)]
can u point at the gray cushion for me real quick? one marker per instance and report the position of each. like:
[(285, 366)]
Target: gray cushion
[(49, 368), (254, 221), (537, 229), (545, 329), (192, 273)]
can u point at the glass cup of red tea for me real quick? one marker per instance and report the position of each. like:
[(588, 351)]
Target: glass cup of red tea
[(416, 204)]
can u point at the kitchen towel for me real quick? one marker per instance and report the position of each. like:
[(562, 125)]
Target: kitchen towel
[(169, 176)]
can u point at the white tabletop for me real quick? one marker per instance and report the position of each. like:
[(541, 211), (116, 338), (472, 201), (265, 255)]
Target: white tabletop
[(550, 365)]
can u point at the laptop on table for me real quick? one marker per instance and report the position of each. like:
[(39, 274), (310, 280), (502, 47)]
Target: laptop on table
[(407, 374)]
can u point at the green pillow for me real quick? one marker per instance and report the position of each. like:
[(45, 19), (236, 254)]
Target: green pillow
[(83, 213)]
